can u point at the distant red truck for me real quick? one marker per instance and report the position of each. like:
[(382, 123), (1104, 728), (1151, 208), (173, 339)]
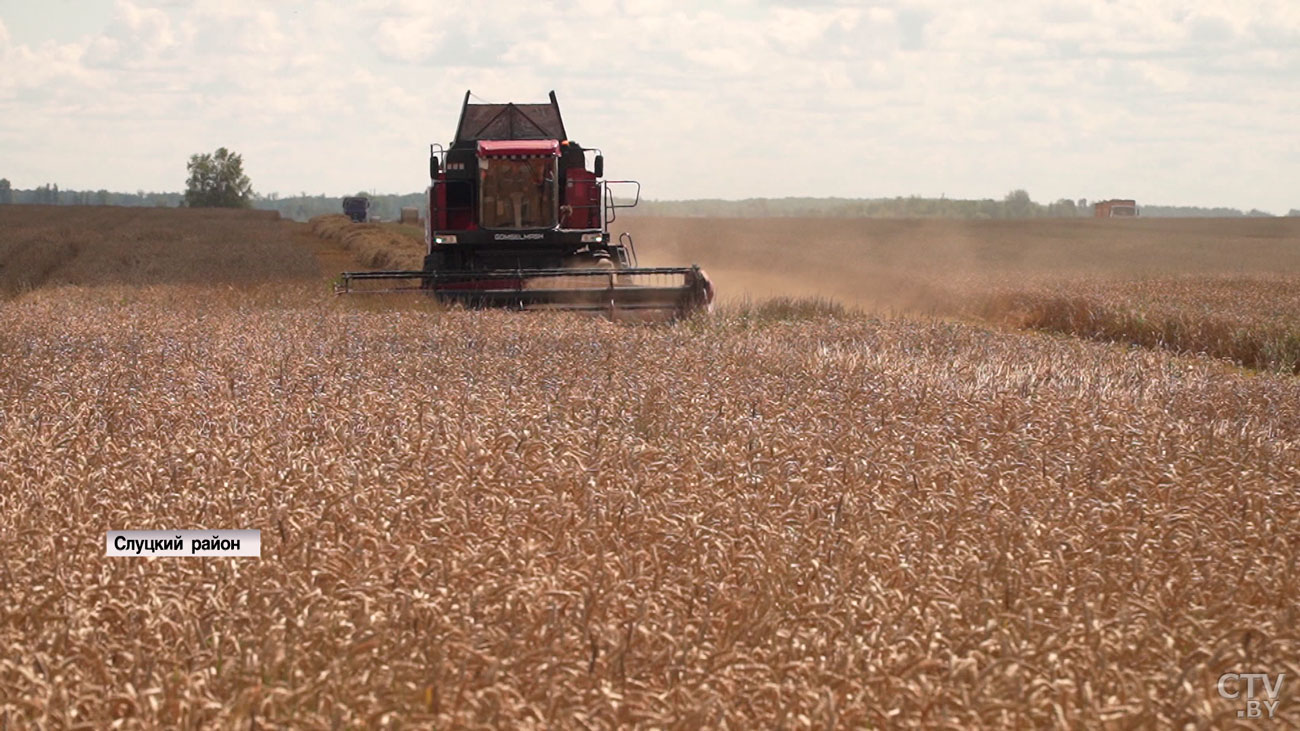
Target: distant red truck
[(1115, 208)]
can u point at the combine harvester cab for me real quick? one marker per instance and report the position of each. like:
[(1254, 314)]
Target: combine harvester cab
[(516, 218)]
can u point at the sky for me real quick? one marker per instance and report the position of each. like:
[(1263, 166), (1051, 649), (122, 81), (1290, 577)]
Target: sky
[(1173, 103)]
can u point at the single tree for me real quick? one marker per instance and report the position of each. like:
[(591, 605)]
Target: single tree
[(217, 180), (6, 192), (1018, 204)]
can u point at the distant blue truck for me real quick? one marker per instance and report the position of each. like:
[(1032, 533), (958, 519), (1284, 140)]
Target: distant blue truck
[(357, 208)]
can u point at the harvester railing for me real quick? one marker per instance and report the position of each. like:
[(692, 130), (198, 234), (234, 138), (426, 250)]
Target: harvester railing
[(611, 203)]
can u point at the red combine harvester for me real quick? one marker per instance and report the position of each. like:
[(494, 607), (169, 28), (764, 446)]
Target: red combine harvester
[(517, 219)]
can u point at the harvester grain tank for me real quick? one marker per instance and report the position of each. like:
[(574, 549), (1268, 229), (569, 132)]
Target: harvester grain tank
[(518, 216), (1115, 208)]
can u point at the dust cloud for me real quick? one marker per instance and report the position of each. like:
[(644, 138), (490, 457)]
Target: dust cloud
[(926, 265)]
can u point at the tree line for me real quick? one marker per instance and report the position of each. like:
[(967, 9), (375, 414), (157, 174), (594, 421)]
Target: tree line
[(51, 195), (1016, 204), (301, 207), (218, 179), (298, 207)]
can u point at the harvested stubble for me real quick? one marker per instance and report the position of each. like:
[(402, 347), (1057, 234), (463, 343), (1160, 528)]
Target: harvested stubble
[(375, 245), (108, 245), (486, 519)]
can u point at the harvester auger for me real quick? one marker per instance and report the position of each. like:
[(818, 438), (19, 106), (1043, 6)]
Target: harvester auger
[(515, 218)]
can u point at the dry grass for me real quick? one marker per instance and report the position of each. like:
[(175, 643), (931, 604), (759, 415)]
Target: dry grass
[(765, 518), (778, 309), (376, 245)]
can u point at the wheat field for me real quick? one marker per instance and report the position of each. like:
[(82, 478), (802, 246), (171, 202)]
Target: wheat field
[(795, 516)]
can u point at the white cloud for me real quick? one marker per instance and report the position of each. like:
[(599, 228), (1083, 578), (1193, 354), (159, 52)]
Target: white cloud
[(408, 39), (148, 29), (735, 99)]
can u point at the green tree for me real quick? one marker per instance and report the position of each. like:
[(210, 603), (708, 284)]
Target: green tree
[(217, 180), (1018, 204), (1063, 208), (6, 192)]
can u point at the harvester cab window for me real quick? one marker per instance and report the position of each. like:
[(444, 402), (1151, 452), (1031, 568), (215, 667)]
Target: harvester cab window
[(517, 192)]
